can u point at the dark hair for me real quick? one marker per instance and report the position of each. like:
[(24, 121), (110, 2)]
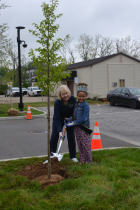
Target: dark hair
[(82, 84)]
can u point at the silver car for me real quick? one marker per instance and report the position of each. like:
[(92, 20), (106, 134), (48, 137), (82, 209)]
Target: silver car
[(34, 91)]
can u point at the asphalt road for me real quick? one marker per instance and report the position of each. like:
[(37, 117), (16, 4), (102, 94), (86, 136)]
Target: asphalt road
[(119, 127)]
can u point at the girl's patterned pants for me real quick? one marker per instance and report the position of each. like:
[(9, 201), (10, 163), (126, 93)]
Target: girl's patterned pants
[(84, 145)]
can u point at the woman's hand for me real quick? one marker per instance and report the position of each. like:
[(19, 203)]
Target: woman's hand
[(61, 135)]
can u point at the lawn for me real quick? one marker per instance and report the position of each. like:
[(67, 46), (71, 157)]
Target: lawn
[(111, 182), (5, 107)]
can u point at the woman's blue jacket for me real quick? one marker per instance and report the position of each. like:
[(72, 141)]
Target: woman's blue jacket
[(81, 114), (61, 111)]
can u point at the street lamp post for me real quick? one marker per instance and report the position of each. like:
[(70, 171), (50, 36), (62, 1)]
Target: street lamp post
[(19, 64)]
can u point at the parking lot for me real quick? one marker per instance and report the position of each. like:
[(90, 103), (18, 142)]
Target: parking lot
[(119, 122), (25, 99), (119, 127)]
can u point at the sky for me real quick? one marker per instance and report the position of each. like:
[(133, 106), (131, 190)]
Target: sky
[(110, 18)]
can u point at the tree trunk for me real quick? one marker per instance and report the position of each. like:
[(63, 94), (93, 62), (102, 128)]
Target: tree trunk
[(48, 117)]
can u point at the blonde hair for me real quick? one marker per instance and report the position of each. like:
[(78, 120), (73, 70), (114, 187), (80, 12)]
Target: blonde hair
[(62, 88)]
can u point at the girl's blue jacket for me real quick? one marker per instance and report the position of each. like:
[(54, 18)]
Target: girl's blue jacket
[(61, 111), (81, 113)]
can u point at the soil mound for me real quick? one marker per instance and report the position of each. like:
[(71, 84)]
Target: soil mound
[(39, 172), (44, 181)]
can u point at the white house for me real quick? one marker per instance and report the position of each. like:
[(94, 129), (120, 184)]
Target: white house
[(105, 74)]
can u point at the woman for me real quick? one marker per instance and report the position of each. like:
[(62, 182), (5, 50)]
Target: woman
[(63, 108)]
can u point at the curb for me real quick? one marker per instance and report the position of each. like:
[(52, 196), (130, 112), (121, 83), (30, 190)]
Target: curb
[(24, 117), (10, 159)]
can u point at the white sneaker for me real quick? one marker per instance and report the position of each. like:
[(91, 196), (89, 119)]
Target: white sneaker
[(74, 160)]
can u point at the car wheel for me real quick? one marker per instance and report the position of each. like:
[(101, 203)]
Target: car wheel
[(33, 95), (112, 102), (133, 104), (28, 95)]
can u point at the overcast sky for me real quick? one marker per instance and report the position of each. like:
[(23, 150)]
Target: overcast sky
[(111, 18)]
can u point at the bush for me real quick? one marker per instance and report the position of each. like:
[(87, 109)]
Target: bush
[(3, 88)]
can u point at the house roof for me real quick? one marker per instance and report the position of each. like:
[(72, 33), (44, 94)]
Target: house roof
[(95, 61)]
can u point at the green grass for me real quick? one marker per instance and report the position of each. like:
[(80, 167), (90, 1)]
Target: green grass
[(93, 102), (5, 107), (111, 182)]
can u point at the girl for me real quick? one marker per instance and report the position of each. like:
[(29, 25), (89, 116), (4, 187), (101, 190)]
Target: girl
[(81, 114)]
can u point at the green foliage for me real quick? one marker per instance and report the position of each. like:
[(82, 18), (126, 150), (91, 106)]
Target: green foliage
[(6, 74), (3, 88), (50, 66), (23, 77)]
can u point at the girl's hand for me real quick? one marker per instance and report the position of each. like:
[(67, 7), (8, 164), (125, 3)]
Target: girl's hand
[(70, 124)]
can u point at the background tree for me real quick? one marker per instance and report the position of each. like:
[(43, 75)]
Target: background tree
[(67, 51), (85, 47), (50, 67), (3, 36), (128, 46), (102, 46), (6, 73)]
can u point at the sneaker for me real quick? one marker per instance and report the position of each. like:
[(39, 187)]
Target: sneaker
[(52, 155), (74, 160)]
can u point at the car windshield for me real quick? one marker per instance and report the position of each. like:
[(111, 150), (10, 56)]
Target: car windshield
[(15, 89), (35, 88), (134, 91)]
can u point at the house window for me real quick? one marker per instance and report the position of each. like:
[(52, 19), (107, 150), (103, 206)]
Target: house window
[(122, 83)]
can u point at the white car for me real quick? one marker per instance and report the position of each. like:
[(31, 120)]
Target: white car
[(24, 91), (14, 91), (34, 91)]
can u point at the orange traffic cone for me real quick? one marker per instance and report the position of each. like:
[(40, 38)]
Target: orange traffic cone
[(29, 115), (96, 139)]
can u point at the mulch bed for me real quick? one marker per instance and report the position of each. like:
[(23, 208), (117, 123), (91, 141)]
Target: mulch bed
[(39, 173)]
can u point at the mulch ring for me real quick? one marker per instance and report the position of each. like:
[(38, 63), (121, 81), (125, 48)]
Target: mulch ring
[(39, 173)]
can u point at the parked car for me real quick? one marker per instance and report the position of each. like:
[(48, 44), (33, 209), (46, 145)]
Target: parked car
[(34, 91), (14, 91), (7, 93), (24, 91), (126, 96)]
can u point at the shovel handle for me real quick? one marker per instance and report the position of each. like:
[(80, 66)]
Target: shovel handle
[(64, 131)]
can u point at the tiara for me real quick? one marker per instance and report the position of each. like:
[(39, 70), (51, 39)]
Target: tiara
[(82, 88)]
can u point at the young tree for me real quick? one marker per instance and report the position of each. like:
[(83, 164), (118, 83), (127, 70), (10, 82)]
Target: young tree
[(50, 67)]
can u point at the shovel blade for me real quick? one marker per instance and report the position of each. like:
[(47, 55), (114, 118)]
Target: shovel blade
[(59, 156), (45, 162)]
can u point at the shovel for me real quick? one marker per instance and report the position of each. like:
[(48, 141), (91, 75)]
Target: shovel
[(59, 156)]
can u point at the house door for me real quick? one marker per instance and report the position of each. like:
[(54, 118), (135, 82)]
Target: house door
[(122, 83), (70, 86)]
